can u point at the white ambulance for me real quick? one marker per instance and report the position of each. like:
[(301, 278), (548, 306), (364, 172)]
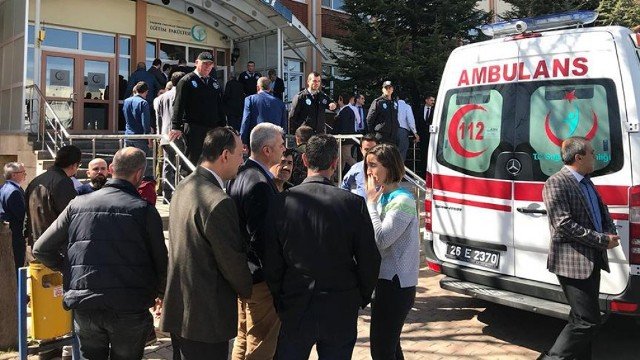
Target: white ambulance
[(503, 108)]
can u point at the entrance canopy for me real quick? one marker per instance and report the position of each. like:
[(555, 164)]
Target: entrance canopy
[(243, 20)]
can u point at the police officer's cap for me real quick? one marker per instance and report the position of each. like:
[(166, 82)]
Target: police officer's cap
[(386, 84), (205, 56)]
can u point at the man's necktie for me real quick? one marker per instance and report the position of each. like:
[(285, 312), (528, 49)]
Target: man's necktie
[(205, 80), (426, 117), (592, 199)]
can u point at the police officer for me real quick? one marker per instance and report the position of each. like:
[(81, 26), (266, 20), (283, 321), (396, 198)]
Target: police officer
[(197, 107), (383, 116), (308, 106), (249, 79)]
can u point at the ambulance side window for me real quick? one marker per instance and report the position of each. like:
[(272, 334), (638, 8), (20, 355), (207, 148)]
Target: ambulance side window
[(471, 129), (560, 110)]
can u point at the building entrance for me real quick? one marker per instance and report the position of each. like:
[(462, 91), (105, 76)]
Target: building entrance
[(80, 90)]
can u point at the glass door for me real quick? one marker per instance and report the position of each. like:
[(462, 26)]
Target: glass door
[(96, 102), (60, 87), (78, 89)]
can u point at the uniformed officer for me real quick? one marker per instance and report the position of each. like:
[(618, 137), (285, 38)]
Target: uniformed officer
[(383, 116), (249, 79), (197, 107), (308, 106)]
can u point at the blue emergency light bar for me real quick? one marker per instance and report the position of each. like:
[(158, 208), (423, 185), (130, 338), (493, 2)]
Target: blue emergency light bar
[(540, 23)]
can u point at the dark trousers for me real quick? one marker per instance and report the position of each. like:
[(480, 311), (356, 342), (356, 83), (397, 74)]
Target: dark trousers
[(169, 169), (19, 246), (421, 161), (331, 325), (234, 121), (574, 341), (402, 139), (143, 145), (389, 309), (194, 135), (185, 349), (104, 334)]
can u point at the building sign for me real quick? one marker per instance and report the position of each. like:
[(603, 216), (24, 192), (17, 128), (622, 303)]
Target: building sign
[(177, 30)]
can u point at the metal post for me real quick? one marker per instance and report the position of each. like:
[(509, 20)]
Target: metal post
[(280, 57), (93, 148), (414, 156), (120, 142), (177, 174), (339, 159), (22, 313), (154, 161)]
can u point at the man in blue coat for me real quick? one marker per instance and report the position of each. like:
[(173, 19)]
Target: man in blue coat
[(12, 208), (262, 107)]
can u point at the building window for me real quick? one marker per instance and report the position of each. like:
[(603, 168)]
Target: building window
[(173, 52), (98, 43), (333, 4), (60, 38), (293, 78), (124, 64)]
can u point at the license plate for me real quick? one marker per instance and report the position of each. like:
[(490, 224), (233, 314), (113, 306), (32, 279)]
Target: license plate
[(486, 258)]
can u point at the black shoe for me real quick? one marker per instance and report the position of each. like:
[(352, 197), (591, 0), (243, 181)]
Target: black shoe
[(151, 338)]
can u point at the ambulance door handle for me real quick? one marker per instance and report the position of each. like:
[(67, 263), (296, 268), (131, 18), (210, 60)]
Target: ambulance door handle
[(532, 211)]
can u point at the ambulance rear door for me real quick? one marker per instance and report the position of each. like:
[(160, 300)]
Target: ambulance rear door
[(574, 89), (472, 208)]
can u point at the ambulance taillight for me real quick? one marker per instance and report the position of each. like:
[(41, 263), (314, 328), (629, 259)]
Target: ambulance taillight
[(428, 201), (634, 222)]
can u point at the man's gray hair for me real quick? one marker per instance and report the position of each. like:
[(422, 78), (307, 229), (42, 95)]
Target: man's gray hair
[(263, 83), (573, 146), (262, 135), (10, 168), (127, 161)]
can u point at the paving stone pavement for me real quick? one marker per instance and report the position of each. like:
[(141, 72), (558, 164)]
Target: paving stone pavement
[(446, 325)]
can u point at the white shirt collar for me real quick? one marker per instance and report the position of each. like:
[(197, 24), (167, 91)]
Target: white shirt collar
[(216, 176), (576, 174)]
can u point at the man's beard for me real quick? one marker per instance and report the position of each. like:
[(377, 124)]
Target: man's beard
[(98, 182)]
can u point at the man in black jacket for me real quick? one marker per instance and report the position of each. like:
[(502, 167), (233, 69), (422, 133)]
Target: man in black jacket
[(424, 118), (252, 191), (157, 73), (383, 116), (321, 261), (116, 261), (249, 79), (50, 192), (277, 85), (308, 106), (197, 107), (234, 102)]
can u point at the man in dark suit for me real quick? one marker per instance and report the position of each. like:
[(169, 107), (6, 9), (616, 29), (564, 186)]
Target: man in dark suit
[(277, 85), (345, 123), (252, 190), (262, 107), (12, 208), (321, 260), (157, 73), (581, 233), (233, 100), (424, 118), (207, 260)]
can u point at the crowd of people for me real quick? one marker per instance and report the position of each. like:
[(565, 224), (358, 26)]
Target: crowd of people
[(263, 247)]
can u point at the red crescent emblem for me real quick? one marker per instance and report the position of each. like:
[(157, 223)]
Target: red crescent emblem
[(556, 140), (453, 131)]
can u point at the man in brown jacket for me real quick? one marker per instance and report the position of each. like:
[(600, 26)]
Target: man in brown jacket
[(49, 193), (207, 260)]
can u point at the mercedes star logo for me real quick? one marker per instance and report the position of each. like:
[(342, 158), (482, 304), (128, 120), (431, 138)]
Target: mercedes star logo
[(514, 166)]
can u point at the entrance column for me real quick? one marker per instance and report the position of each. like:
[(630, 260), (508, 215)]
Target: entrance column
[(139, 48)]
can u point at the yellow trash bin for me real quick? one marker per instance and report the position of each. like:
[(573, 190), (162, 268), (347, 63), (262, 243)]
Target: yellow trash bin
[(48, 318)]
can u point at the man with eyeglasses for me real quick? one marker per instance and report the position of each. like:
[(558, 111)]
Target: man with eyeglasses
[(197, 107), (12, 208)]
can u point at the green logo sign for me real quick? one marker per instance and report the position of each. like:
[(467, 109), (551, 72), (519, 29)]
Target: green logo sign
[(198, 33)]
